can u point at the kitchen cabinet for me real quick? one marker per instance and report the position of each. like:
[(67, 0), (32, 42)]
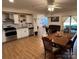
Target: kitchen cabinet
[(19, 33), (29, 19), (4, 17), (16, 18), (22, 32), (11, 16), (3, 37)]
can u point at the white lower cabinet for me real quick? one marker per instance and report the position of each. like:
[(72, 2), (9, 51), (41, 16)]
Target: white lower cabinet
[(22, 32), (19, 33)]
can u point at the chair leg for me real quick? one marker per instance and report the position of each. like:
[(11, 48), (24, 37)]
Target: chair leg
[(45, 55), (50, 56), (72, 50), (70, 53)]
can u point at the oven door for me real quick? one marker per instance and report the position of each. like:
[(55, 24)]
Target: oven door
[(11, 33)]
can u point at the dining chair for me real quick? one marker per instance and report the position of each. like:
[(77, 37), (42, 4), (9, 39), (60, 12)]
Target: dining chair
[(51, 47), (70, 44)]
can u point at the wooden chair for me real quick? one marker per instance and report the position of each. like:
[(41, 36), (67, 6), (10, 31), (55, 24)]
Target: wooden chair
[(51, 47), (70, 44)]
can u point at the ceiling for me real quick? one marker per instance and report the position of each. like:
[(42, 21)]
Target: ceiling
[(41, 5)]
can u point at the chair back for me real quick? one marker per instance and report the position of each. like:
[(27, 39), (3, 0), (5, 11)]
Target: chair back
[(47, 44), (74, 39)]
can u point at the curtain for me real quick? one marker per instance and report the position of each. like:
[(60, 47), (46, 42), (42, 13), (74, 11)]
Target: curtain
[(75, 18)]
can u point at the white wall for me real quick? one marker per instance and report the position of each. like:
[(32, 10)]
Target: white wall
[(61, 17), (35, 23)]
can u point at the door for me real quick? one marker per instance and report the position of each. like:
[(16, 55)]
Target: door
[(16, 18)]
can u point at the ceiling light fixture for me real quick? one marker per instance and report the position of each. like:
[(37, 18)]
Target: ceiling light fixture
[(11, 1), (50, 8)]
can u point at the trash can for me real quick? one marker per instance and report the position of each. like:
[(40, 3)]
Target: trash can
[(36, 33)]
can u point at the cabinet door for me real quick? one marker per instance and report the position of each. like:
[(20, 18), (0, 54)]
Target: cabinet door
[(22, 33), (29, 19), (25, 32), (16, 18), (19, 33)]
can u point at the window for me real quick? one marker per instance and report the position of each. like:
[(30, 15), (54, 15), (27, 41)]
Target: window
[(70, 24)]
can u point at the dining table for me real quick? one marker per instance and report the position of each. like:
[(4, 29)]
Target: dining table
[(60, 38)]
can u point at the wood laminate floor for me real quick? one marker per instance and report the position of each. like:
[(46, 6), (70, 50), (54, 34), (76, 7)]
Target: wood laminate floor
[(26, 48)]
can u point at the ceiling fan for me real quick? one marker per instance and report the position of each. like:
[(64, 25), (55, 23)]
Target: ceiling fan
[(52, 5)]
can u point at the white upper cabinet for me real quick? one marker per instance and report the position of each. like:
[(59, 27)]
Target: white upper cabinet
[(29, 19), (16, 18)]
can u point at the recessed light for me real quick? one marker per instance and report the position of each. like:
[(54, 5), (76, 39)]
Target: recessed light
[(11, 1)]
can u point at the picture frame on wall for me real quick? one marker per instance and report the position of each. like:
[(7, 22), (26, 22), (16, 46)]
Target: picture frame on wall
[(54, 19)]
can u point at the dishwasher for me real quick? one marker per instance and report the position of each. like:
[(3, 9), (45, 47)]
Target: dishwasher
[(31, 31)]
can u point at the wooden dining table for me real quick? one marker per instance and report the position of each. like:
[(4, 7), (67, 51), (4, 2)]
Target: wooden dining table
[(61, 40)]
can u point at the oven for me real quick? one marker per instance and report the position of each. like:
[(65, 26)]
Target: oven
[(10, 33)]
